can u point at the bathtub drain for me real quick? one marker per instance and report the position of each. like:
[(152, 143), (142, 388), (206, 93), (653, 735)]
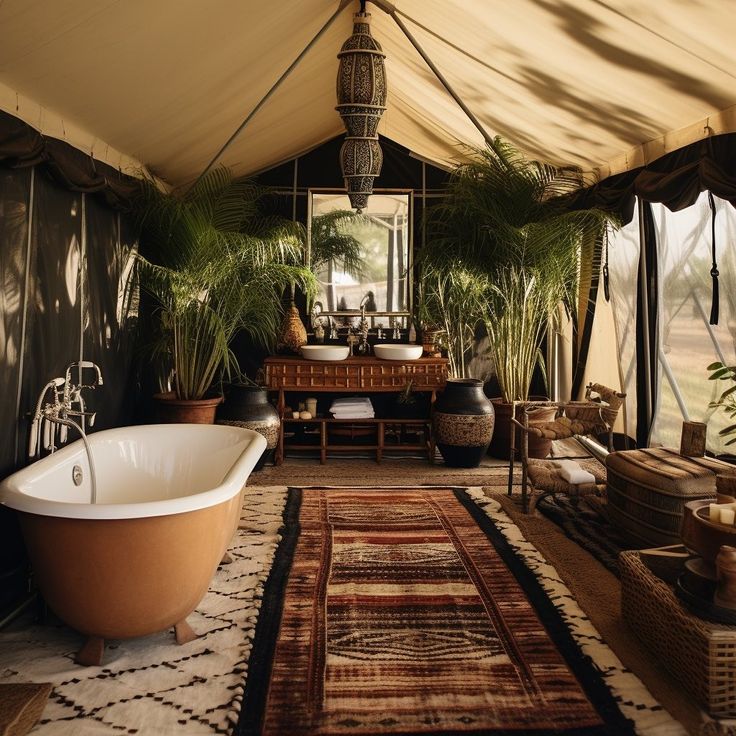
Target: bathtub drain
[(77, 475)]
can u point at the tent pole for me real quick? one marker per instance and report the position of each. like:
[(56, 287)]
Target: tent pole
[(276, 85), (294, 188), (390, 10)]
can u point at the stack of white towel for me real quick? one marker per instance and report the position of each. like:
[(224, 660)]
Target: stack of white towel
[(352, 408), (573, 473)]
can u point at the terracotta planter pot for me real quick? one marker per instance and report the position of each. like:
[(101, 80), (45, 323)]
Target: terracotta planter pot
[(171, 410), (248, 406), (501, 442), (462, 422)]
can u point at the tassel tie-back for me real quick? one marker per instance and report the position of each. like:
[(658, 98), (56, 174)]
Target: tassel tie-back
[(714, 266)]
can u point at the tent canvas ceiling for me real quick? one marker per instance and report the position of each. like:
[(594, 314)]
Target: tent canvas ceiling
[(605, 85)]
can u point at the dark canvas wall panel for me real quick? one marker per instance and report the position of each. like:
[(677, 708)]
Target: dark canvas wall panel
[(15, 189), (110, 313), (59, 309), (53, 333)]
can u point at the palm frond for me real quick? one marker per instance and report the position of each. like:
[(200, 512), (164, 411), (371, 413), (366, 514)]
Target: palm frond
[(506, 219), (221, 268), (331, 240)]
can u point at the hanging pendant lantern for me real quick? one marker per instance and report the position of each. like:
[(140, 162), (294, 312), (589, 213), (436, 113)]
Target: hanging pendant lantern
[(361, 100)]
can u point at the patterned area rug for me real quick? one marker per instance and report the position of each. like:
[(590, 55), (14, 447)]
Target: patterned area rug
[(423, 611)]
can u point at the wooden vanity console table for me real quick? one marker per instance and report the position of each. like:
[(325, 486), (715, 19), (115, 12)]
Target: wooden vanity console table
[(363, 375)]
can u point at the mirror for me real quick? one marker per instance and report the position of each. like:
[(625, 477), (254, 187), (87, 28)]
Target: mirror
[(381, 239)]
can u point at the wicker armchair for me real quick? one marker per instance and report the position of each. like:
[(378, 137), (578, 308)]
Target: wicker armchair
[(593, 416)]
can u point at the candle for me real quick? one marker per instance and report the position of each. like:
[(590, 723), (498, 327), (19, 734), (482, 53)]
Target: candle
[(295, 415), (714, 511), (727, 516)]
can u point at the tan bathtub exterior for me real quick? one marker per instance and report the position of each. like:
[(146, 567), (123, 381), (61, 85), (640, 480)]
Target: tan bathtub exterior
[(140, 560), (122, 578)]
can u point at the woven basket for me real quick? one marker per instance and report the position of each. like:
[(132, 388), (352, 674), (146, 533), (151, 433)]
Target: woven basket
[(700, 655), (584, 411)]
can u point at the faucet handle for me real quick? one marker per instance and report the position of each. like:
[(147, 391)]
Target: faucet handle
[(85, 364)]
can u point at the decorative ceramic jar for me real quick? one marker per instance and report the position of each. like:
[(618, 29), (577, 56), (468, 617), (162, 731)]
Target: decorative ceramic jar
[(248, 407), (293, 333), (462, 422)]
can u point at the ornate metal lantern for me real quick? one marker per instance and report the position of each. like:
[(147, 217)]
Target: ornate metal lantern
[(361, 100)]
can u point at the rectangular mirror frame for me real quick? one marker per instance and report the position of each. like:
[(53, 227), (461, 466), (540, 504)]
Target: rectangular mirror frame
[(410, 249)]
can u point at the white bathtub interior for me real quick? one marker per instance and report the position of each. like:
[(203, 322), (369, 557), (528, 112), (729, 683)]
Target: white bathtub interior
[(141, 464)]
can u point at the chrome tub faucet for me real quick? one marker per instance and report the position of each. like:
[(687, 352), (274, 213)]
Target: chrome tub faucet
[(52, 419), (67, 402)]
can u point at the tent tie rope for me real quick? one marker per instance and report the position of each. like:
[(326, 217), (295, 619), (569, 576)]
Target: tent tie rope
[(606, 283), (714, 266)]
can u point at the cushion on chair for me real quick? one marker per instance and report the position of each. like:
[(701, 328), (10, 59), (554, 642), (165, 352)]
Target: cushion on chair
[(545, 476), (562, 427), (585, 411)]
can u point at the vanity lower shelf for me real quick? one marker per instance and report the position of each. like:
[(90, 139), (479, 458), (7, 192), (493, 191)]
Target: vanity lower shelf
[(358, 441), (363, 376)]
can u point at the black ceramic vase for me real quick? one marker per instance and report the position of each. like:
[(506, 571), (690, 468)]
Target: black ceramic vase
[(248, 406), (462, 422)]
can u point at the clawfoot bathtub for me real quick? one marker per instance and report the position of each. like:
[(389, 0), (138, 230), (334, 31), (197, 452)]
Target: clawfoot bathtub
[(140, 559)]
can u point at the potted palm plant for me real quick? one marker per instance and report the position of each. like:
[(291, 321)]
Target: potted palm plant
[(219, 268), (506, 218)]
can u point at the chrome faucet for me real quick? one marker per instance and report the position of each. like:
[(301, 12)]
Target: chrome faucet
[(73, 394), (396, 333), (52, 419)]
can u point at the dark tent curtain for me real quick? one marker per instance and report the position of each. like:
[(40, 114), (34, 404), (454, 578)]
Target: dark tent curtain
[(22, 146), (675, 179)]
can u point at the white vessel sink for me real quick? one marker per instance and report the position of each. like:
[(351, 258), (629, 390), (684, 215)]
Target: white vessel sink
[(325, 352), (398, 352)]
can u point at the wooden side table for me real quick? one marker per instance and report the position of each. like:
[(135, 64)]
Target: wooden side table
[(357, 375)]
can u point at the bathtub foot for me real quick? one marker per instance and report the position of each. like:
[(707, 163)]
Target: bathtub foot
[(226, 559), (184, 632), (92, 652)]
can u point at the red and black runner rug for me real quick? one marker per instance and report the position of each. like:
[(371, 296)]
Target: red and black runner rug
[(406, 611)]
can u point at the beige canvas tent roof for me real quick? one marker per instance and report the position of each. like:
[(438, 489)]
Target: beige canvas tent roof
[(605, 85)]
